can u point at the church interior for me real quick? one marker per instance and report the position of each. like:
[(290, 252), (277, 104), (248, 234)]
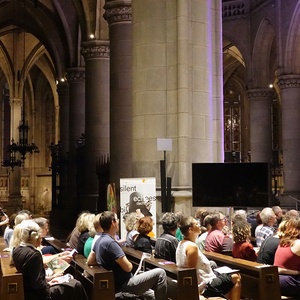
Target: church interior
[(89, 86)]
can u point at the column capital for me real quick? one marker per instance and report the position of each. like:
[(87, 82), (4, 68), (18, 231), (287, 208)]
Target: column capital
[(117, 11), (95, 49), (16, 101), (76, 74), (289, 81), (259, 94)]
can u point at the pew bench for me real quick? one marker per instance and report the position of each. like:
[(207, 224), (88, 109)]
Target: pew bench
[(259, 282), (182, 282), (98, 282), (12, 287)]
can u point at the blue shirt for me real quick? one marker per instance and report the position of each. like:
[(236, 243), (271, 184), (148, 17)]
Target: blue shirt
[(107, 251)]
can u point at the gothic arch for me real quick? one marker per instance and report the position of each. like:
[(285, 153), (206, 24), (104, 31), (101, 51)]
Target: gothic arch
[(291, 56), (263, 44)]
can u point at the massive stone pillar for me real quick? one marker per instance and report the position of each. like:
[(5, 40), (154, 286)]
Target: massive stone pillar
[(96, 54), (76, 80), (260, 124), (290, 96), (118, 16), (177, 88)]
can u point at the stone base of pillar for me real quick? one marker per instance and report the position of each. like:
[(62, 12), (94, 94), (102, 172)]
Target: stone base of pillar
[(14, 204)]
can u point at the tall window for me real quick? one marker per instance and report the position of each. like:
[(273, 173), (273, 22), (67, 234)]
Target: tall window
[(232, 126)]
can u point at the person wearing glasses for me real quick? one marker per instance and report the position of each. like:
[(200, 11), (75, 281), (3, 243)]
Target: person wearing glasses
[(218, 239)]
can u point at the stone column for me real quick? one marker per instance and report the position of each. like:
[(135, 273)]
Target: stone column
[(76, 80), (260, 124), (96, 54), (290, 97), (63, 94), (177, 88), (118, 16), (14, 198)]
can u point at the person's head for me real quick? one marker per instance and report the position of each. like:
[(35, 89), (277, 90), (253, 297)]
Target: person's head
[(169, 221), (131, 221), (291, 232), (268, 216), (31, 233), (27, 212), (21, 216), (281, 228), (218, 220), (144, 225), (96, 224), (189, 227), (292, 213), (278, 212), (241, 231), (109, 219), (85, 221), (239, 215), (206, 222), (44, 225)]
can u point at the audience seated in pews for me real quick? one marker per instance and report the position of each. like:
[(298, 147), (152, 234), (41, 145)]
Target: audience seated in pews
[(166, 243), (188, 255), (28, 260), (108, 253)]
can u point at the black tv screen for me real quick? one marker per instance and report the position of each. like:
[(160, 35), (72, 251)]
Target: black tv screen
[(231, 184)]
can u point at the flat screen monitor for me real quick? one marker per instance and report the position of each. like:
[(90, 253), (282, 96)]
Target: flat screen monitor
[(231, 184)]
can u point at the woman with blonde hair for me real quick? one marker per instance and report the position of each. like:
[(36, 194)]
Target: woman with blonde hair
[(287, 259), (28, 261), (131, 225)]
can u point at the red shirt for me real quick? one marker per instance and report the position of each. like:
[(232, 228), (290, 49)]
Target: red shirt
[(244, 250), (285, 258)]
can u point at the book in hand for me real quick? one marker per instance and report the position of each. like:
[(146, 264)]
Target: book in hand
[(57, 264), (225, 270)]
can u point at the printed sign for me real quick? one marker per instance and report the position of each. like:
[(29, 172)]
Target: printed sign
[(137, 195)]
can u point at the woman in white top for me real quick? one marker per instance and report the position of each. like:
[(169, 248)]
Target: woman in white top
[(188, 255)]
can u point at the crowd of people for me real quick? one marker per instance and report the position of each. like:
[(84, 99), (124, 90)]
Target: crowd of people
[(270, 236)]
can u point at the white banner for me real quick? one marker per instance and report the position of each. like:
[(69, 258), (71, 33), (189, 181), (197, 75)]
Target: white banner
[(137, 195)]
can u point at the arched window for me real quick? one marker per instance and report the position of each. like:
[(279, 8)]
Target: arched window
[(232, 126)]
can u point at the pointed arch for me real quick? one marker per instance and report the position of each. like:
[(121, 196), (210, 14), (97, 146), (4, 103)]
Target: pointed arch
[(262, 48)]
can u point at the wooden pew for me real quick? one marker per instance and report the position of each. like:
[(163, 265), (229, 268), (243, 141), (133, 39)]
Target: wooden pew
[(11, 281), (182, 282), (98, 282), (259, 282)]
